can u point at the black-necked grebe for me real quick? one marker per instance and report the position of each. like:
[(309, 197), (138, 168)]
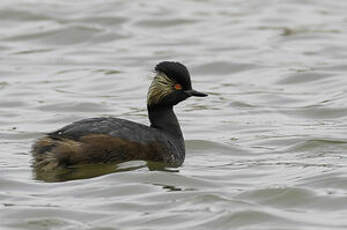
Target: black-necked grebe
[(105, 139)]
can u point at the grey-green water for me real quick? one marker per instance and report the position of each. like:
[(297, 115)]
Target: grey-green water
[(266, 150)]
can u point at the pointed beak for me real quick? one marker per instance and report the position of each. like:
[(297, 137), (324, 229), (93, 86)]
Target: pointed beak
[(195, 93)]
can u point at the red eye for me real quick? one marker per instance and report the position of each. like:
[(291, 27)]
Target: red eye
[(178, 86)]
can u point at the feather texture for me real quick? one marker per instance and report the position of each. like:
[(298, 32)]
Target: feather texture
[(161, 87)]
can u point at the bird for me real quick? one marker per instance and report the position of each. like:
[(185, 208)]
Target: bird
[(116, 140)]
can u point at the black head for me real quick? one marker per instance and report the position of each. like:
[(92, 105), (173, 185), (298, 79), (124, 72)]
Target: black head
[(171, 85), (175, 71)]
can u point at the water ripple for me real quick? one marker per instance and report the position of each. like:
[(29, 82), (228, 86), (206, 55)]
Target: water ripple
[(265, 150)]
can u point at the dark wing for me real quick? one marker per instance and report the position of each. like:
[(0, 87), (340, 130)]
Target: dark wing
[(114, 127)]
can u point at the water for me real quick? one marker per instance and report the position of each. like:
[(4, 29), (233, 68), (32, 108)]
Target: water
[(266, 149)]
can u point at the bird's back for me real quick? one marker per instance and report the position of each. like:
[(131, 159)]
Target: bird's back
[(100, 140), (114, 127)]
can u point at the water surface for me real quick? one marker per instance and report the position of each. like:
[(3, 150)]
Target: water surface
[(266, 149)]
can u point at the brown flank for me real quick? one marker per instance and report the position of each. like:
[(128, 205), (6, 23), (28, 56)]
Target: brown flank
[(51, 153)]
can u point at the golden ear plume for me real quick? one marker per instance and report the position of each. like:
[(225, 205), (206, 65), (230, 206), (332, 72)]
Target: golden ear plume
[(161, 86)]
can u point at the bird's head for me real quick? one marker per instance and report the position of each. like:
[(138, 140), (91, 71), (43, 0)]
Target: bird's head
[(170, 85)]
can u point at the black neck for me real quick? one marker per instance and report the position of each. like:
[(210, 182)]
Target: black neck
[(164, 118)]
